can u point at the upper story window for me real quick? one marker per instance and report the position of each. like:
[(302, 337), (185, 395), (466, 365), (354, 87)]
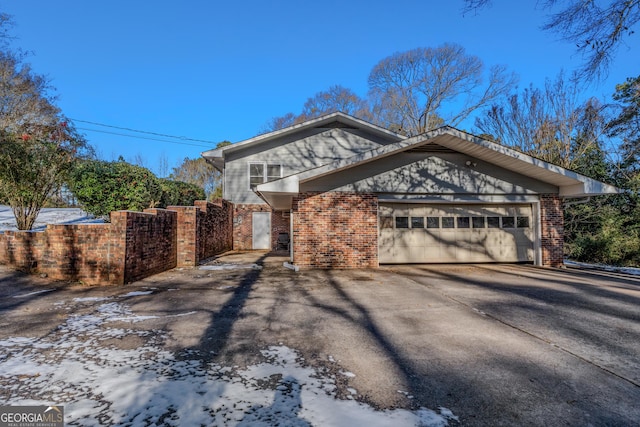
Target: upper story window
[(263, 172)]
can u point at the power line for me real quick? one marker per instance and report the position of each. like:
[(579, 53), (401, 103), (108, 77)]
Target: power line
[(143, 137), (183, 138)]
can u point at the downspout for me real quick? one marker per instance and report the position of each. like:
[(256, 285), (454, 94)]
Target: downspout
[(291, 235)]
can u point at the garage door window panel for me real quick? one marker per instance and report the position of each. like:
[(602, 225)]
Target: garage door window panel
[(402, 222), (523, 222), (508, 222), (417, 222), (478, 222), (493, 222), (463, 222), (433, 222), (386, 222), (448, 222)]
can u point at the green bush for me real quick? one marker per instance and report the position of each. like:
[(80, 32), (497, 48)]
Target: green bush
[(102, 187), (178, 193), (612, 244)]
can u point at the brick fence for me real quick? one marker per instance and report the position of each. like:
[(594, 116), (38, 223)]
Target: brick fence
[(133, 246)]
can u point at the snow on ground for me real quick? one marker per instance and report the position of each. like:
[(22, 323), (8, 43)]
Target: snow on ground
[(610, 268), (100, 384), (48, 216)]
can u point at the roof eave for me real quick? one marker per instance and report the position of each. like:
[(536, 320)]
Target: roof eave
[(317, 122)]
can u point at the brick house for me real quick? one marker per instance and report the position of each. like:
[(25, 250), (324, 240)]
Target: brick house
[(352, 194)]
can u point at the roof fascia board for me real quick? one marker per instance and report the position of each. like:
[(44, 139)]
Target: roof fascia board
[(510, 152), (587, 188), (337, 116), (583, 186)]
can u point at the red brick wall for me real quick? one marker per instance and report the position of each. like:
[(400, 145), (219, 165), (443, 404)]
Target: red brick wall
[(215, 228), (552, 222), (203, 231), (89, 253), (151, 243), (243, 225), (279, 224), (335, 230), (133, 246)]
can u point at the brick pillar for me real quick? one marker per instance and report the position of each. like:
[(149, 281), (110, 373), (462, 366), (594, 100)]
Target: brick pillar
[(552, 222), (335, 230), (187, 235)]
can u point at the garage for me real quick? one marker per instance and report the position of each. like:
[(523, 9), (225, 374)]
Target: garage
[(444, 196), (434, 233)]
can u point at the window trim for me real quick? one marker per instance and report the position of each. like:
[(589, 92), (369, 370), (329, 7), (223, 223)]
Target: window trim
[(265, 167)]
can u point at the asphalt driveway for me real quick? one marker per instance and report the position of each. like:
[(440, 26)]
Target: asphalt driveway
[(477, 345)]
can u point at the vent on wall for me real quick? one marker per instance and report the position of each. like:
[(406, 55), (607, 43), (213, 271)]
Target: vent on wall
[(430, 148), (335, 125)]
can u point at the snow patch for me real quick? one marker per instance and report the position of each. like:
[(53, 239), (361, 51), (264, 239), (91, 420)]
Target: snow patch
[(136, 294), (91, 299), (33, 293), (217, 267), (48, 216), (102, 384), (625, 270)]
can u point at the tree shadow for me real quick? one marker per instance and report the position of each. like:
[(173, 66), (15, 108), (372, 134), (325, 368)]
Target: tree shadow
[(358, 315), (214, 340), (579, 317)]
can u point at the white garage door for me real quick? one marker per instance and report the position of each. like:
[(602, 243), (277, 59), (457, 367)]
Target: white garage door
[(419, 233)]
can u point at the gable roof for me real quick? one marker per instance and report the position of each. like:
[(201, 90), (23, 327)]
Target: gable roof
[(338, 119), (570, 184)]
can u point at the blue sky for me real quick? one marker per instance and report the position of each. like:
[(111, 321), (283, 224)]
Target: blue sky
[(214, 71)]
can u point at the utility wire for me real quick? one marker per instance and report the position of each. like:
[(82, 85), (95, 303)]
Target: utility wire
[(143, 137), (183, 138)]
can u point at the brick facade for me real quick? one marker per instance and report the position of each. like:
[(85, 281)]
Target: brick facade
[(552, 225), (335, 230), (243, 225), (133, 246)]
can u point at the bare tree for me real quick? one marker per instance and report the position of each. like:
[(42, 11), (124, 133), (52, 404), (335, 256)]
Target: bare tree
[(598, 29), (201, 173), (550, 124), (281, 122), (24, 98), (336, 98), (420, 89), (163, 165)]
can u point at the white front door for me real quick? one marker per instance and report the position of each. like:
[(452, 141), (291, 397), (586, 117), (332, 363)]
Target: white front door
[(261, 230)]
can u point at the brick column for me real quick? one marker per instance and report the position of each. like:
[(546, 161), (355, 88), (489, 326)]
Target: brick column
[(552, 222), (335, 230)]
